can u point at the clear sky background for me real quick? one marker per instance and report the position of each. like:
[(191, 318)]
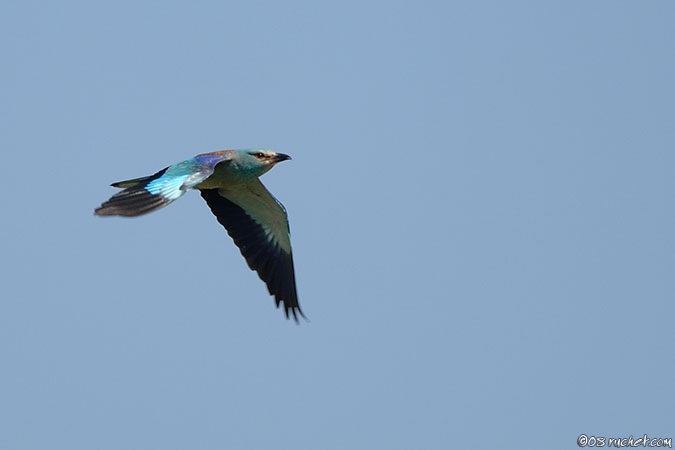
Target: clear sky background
[(481, 201)]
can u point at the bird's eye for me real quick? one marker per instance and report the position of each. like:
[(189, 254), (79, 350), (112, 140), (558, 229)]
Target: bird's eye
[(259, 155)]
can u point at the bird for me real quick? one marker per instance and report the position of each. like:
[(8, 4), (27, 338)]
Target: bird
[(229, 182)]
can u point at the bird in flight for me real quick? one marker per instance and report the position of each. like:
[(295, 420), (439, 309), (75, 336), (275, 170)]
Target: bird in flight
[(228, 181)]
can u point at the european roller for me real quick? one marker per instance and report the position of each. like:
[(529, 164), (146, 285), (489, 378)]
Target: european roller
[(228, 181)]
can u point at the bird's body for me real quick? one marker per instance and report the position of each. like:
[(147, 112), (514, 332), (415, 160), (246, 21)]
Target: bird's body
[(228, 181)]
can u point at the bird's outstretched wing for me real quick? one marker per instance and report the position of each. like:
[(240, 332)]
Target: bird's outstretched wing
[(258, 224), (147, 194)]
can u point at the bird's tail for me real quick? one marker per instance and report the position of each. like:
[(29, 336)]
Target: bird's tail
[(135, 182), (135, 200)]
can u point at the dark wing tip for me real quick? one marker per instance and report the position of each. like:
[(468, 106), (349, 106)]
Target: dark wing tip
[(134, 200), (295, 311), (131, 202)]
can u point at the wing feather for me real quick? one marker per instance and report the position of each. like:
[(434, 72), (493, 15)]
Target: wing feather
[(147, 194), (258, 224)]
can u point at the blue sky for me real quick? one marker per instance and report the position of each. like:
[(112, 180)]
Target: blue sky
[(480, 198)]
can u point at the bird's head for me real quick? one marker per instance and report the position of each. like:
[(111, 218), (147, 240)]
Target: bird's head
[(257, 161)]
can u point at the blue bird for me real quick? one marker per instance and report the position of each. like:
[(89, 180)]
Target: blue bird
[(228, 181)]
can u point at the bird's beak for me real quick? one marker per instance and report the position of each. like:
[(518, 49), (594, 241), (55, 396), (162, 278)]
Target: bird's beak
[(280, 157)]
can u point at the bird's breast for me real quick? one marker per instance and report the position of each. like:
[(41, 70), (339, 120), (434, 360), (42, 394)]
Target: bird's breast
[(223, 175)]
